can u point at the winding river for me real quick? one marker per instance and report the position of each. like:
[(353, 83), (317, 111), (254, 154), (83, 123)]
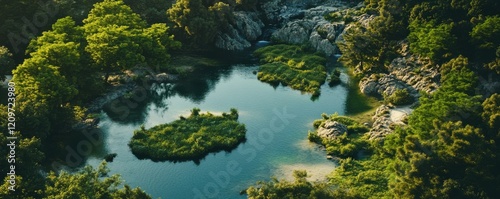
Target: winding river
[(277, 120)]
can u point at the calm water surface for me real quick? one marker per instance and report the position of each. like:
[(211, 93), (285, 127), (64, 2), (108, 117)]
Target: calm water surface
[(277, 120)]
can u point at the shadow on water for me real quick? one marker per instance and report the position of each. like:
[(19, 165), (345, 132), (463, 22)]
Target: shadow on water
[(196, 160), (196, 86), (133, 107)]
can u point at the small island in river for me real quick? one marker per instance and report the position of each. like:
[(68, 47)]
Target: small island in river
[(190, 138), (292, 66)]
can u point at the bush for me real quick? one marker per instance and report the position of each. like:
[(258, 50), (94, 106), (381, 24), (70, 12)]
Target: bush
[(190, 138), (399, 97), (334, 78)]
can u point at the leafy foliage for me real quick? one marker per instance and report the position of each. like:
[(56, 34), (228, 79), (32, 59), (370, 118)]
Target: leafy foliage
[(431, 40), (300, 188), (89, 183), (190, 138), (119, 39), (292, 66), (197, 22), (6, 62), (399, 97)]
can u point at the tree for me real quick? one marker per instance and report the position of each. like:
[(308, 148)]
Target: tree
[(159, 44), (6, 62), (491, 113), (89, 183), (431, 40), (361, 49), (194, 21), (41, 91), (486, 35), (119, 39)]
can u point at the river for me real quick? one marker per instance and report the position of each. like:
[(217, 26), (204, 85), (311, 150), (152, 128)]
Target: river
[(277, 121)]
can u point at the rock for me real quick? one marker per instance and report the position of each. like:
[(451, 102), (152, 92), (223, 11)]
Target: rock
[(92, 122), (385, 120), (323, 37), (319, 11), (417, 72), (164, 77), (331, 129), (381, 123), (271, 10), (364, 20), (295, 32), (247, 27), (382, 84), (248, 24), (329, 157)]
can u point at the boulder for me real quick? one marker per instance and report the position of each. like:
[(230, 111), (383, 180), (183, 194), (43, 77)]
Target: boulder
[(246, 27), (383, 84), (323, 37), (248, 24), (331, 129), (231, 40), (417, 72), (381, 123), (295, 32)]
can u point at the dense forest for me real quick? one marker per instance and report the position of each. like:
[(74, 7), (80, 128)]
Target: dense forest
[(61, 53)]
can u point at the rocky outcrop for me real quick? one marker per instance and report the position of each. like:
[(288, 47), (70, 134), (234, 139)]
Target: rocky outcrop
[(296, 32), (364, 20), (246, 27), (419, 73), (331, 129), (385, 120), (312, 29), (382, 84)]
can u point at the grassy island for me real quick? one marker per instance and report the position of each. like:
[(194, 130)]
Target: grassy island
[(292, 66), (190, 138)]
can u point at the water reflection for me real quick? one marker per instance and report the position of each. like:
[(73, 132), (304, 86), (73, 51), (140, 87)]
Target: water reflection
[(134, 106), (196, 87)]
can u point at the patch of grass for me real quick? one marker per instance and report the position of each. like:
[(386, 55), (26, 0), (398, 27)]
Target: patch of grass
[(292, 66), (190, 138), (346, 145)]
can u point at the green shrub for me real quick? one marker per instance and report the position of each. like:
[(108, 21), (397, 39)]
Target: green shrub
[(399, 97), (334, 78), (190, 138)]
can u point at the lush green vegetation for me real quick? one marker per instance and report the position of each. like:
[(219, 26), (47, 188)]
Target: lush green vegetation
[(300, 188), (292, 66), (334, 78), (449, 148), (190, 138), (399, 97), (346, 145), (65, 68), (90, 183)]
